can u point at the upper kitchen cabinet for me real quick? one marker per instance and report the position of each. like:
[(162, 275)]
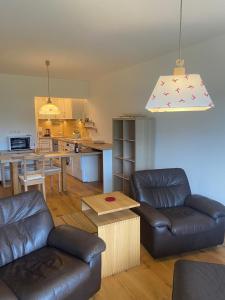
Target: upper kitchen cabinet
[(69, 108), (78, 108), (63, 106)]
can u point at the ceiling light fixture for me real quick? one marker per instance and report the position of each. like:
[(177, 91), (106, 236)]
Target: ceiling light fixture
[(49, 108), (180, 91)]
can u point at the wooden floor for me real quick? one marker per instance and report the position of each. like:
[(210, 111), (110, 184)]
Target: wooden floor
[(151, 280)]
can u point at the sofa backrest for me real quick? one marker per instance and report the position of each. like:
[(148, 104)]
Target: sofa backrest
[(160, 188), (25, 223)]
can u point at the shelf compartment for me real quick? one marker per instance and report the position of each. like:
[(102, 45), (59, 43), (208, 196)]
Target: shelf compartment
[(126, 188), (117, 166), (117, 183), (129, 130), (118, 148), (128, 169), (118, 129), (128, 150)]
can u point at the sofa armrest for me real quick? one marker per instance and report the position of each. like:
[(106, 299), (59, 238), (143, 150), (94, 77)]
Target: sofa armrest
[(205, 205), (6, 293), (153, 216), (79, 243)]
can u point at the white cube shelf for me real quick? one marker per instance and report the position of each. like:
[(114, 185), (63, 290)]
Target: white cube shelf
[(133, 149)]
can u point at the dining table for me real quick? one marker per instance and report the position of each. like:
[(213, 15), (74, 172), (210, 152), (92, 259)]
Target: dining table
[(15, 158)]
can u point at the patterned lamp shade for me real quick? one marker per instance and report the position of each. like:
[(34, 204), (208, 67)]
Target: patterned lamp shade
[(179, 93)]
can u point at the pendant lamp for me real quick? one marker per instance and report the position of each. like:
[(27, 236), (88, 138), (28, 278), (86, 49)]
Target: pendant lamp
[(49, 108), (180, 91)]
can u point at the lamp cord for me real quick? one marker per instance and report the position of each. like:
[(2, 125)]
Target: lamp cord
[(180, 30), (47, 62)]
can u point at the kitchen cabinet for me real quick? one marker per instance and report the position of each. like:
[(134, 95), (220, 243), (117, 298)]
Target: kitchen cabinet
[(78, 108), (60, 103), (85, 166)]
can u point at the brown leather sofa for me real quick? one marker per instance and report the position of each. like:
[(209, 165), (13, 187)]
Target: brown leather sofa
[(172, 219), (41, 262)]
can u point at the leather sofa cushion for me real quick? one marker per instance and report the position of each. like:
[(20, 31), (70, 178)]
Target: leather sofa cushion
[(45, 274), (185, 220), (6, 293), (25, 223), (161, 188), (198, 281)]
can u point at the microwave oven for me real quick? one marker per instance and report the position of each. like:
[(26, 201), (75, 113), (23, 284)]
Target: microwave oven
[(18, 143)]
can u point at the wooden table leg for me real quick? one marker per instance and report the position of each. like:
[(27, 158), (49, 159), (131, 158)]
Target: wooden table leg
[(15, 177), (64, 181)]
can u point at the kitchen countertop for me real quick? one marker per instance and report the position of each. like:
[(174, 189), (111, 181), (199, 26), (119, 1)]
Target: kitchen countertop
[(70, 140), (105, 146), (6, 157), (86, 143), (17, 157), (87, 153)]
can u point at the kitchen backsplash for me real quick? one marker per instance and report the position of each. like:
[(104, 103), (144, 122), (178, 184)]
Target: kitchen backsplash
[(66, 128)]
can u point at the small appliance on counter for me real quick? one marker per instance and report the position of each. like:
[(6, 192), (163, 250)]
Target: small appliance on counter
[(20, 142), (47, 132)]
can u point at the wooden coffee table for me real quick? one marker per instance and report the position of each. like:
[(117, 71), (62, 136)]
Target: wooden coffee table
[(118, 226)]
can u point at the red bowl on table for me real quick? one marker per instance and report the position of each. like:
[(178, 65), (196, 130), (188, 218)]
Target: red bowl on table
[(110, 199)]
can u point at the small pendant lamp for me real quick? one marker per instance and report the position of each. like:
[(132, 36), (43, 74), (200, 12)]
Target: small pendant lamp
[(180, 91), (49, 108)]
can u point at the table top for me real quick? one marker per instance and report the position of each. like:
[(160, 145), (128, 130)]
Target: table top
[(17, 157), (102, 207)]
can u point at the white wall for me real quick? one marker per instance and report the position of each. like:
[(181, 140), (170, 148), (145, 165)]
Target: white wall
[(17, 101), (194, 141)]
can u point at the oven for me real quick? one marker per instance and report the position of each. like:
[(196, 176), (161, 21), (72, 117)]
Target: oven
[(17, 143)]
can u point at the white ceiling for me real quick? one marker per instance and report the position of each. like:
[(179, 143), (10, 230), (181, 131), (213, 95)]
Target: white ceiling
[(86, 38)]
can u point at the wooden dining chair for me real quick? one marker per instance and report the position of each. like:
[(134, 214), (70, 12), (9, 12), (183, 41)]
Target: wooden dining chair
[(52, 169), (33, 174), (5, 169)]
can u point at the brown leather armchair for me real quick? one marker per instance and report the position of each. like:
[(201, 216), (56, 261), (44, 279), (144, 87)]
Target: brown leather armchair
[(172, 219), (41, 262)]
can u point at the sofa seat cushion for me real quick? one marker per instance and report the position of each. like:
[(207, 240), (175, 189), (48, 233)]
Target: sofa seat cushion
[(185, 220), (44, 274), (198, 281)]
